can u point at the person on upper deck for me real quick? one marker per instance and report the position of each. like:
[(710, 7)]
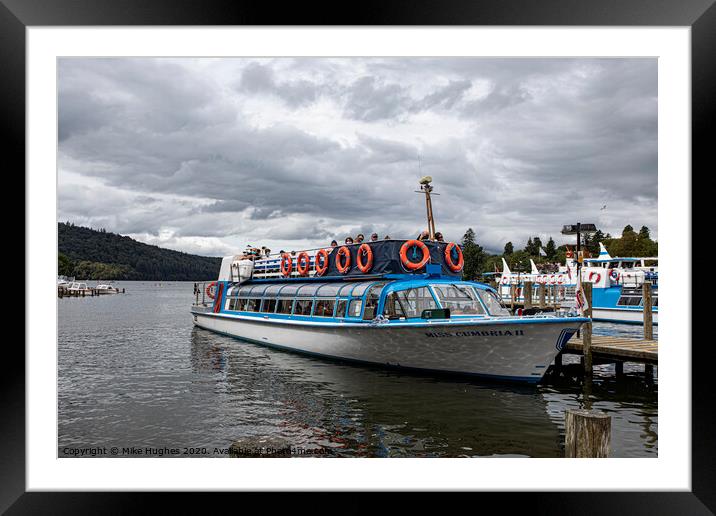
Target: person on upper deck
[(374, 237), (387, 237), (349, 240), (360, 238), (425, 235), (334, 243), (439, 237)]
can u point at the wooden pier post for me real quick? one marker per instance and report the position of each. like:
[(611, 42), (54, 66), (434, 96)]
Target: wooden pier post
[(588, 433), (527, 293), (513, 295), (648, 327), (587, 330), (542, 288)]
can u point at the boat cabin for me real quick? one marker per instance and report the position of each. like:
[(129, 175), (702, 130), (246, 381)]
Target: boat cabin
[(354, 301)]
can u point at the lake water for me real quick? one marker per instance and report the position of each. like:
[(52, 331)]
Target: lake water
[(134, 372)]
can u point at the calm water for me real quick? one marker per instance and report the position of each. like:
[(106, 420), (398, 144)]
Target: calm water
[(133, 371)]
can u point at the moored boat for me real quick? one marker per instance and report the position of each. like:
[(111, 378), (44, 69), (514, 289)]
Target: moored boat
[(396, 303)]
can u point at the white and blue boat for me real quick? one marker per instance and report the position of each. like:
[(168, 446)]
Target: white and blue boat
[(394, 303), (617, 285)]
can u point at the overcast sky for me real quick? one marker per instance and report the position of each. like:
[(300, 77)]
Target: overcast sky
[(209, 155)]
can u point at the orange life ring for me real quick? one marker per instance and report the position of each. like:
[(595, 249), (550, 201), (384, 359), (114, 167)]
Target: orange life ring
[(404, 254), (321, 269), (364, 267), (210, 289), (303, 269), (343, 267), (592, 274), (286, 264), (455, 267), (560, 279)]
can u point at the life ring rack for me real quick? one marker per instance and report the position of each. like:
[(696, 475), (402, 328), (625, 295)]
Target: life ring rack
[(321, 269), (455, 267), (303, 263), (364, 250), (404, 254), (286, 264), (345, 264)]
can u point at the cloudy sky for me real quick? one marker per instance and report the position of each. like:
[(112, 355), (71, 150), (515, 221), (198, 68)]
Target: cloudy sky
[(209, 155)]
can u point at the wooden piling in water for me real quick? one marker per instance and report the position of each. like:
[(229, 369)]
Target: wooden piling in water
[(588, 433), (542, 303), (648, 326), (527, 293), (587, 330)]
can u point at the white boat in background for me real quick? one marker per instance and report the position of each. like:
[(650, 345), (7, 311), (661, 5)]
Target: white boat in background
[(78, 287), (105, 288), (64, 281), (617, 285)]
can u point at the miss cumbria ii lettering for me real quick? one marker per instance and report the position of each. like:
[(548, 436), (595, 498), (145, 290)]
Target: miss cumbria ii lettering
[(474, 333)]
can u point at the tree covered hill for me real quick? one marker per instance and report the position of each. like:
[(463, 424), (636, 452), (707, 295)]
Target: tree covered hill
[(96, 254)]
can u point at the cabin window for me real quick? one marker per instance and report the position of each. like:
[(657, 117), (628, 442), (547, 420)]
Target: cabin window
[(303, 307), (460, 300), (268, 306), (355, 307), (252, 305), (371, 301), (284, 306), (341, 305), (324, 307), (413, 301), (629, 301), (492, 303), (393, 308), (328, 290)]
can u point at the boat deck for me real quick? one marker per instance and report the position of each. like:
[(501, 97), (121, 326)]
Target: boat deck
[(618, 348)]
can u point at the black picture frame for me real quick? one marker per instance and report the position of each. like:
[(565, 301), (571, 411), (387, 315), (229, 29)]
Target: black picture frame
[(700, 15)]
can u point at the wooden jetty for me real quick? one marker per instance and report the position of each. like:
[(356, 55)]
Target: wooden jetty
[(617, 349), (86, 292)]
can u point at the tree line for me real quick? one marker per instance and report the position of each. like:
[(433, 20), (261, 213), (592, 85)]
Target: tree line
[(88, 253), (478, 261)]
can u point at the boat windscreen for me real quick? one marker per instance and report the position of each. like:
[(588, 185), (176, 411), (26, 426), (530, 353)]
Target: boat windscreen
[(461, 300), (492, 303)]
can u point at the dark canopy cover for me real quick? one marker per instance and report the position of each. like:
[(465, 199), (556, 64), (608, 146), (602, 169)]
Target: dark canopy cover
[(386, 258)]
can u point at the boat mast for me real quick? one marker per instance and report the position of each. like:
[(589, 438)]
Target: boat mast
[(426, 188)]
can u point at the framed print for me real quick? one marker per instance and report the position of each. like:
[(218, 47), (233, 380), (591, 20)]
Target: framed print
[(393, 252)]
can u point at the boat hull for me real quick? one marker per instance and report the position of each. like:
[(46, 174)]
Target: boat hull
[(622, 316), (516, 351)]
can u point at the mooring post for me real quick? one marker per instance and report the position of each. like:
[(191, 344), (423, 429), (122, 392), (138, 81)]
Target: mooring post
[(588, 433), (587, 330), (513, 294), (542, 287), (619, 369), (527, 293), (648, 327)]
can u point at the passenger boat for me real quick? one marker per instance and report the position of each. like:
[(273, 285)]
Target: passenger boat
[(395, 303), (617, 285)]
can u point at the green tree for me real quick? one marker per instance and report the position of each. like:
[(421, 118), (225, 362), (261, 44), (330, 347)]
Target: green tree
[(509, 249), (64, 265), (473, 255), (550, 249)]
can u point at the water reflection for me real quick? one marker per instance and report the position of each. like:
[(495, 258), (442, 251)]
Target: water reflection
[(361, 411), (133, 371)]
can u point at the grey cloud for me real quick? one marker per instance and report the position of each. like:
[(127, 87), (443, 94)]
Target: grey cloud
[(369, 101), (260, 79), (174, 150)]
